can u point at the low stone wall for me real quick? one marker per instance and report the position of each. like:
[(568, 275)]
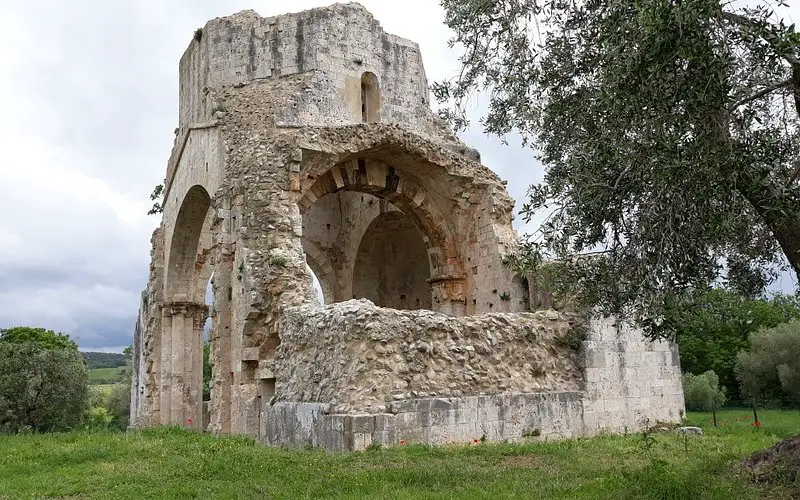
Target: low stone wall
[(438, 421), (355, 375), (361, 358)]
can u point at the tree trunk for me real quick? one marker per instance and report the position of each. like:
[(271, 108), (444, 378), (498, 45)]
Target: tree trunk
[(787, 232), (785, 229)]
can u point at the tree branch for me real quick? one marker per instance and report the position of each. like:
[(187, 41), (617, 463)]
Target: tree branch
[(768, 35), (761, 93)]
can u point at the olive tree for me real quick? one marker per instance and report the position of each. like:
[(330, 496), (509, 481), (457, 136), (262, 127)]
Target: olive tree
[(771, 367), (702, 392), (41, 388), (668, 128)]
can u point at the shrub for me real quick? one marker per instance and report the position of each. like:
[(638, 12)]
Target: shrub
[(771, 368), (118, 404), (100, 418), (44, 389), (702, 392)]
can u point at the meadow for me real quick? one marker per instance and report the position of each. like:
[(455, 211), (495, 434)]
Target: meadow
[(104, 376), (175, 463)]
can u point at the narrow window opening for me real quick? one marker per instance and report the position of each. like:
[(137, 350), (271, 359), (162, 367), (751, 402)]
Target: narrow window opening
[(370, 98)]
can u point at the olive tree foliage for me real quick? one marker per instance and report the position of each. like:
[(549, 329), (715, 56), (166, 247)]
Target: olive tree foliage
[(669, 133), (702, 392), (771, 368), (43, 389)]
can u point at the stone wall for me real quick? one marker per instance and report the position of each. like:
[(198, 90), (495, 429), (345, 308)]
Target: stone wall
[(616, 382), (360, 358), (629, 380)]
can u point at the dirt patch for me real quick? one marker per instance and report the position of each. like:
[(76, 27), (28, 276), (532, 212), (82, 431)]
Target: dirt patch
[(779, 464)]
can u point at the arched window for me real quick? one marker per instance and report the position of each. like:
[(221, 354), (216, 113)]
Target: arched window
[(370, 98)]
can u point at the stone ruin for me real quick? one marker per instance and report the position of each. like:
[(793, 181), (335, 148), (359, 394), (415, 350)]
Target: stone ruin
[(306, 143)]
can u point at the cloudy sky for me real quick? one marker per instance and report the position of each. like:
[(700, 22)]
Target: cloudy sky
[(89, 96)]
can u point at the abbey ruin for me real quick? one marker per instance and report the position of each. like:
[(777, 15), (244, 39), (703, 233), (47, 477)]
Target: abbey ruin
[(306, 142)]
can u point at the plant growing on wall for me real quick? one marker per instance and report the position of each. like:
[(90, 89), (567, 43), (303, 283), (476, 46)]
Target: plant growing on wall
[(157, 198)]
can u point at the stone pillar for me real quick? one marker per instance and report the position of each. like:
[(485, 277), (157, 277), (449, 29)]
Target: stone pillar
[(221, 349), (182, 364)]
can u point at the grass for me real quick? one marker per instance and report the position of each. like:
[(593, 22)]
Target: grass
[(175, 463), (105, 375)]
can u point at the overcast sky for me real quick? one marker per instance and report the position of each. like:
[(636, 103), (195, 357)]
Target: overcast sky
[(89, 95)]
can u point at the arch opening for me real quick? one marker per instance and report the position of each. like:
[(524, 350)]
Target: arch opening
[(189, 272), (391, 266), (361, 246)]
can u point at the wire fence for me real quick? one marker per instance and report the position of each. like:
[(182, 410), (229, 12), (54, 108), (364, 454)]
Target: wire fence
[(767, 404)]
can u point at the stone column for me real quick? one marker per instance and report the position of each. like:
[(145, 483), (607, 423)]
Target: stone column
[(182, 364)]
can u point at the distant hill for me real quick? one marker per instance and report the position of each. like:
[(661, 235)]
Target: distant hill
[(104, 359)]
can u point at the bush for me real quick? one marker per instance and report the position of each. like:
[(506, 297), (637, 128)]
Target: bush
[(43, 389), (771, 368), (118, 404), (99, 418), (702, 392)]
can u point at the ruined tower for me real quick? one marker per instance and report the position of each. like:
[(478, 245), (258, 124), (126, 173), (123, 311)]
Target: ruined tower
[(306, 144)]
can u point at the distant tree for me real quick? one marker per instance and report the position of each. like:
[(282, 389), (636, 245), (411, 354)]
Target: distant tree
[(711, 327), (105, 359), (771, 368), (46, 339), (703, 392), (670, 131), (44, 389), (206, 371)]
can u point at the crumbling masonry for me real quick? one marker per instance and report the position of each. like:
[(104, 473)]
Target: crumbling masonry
[(306, 143)]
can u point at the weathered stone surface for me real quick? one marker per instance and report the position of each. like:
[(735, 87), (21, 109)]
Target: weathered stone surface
[(307, 141), (692, 431), (361, 358)]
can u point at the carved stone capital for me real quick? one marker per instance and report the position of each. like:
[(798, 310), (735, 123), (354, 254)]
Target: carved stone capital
[(198, 312)]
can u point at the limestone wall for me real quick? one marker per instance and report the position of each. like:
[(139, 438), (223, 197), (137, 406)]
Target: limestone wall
[(616, 382), (360, 358), (629, 381), (337, 44)]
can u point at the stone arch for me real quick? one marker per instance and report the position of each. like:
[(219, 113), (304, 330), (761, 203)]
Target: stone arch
[(187, 255), (322, 269), (189, 268), (370, 98), (375, 177), (391, 266)]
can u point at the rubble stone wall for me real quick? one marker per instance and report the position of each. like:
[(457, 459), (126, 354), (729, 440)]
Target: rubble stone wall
[(360, 358), (366, 375)]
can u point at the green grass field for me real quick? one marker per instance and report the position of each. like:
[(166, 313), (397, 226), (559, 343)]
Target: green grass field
[(105, 375), (173, 463)]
